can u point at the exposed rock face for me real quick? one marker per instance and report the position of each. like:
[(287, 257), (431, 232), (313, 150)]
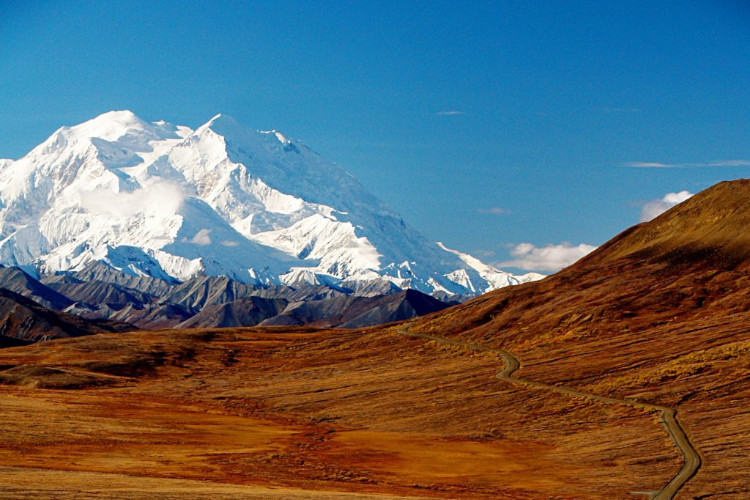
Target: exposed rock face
[(340, 312), (26, 321), (204, 301)]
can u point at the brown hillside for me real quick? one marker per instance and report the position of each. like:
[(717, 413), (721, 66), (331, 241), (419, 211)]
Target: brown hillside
[(711, 228), (658, 314)]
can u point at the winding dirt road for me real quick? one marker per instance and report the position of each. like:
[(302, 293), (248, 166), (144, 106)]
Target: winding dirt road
[(691, 458)]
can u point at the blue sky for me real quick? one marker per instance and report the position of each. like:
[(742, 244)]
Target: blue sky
[(485, 124)]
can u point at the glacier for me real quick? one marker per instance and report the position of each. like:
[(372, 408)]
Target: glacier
[(166, 201)]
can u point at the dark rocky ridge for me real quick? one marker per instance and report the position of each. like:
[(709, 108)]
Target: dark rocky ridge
[(24, 320), (98, 296)]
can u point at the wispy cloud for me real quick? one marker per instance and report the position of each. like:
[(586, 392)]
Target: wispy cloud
[(717, 163), (549, 258), (646, 164), (159, 197), (450, 112), (229, 243), (655, 208), (494, 211), (201, 238)]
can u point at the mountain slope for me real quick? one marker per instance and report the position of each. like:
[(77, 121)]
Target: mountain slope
[(15, 280), (242, 312), (99, 292), (691, 260), (709, 230), (24, 320), (153, 199), (98, 271), (332, 312)]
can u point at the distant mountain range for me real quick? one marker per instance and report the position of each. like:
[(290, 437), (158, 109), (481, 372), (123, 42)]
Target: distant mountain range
[(155, 200), (101, 299)]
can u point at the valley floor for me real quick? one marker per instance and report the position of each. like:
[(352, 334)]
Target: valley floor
[(264, 413)]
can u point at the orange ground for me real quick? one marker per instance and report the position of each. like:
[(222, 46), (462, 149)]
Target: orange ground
[(366, 412)]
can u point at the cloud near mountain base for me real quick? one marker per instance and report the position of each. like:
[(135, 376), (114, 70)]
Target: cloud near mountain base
[(549, 258), (157, 197)]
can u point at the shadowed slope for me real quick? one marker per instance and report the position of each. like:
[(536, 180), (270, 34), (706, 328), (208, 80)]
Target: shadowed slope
[(332, 312), (25, 320), (16, 280)]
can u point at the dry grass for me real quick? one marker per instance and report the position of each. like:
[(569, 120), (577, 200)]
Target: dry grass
[(366, 412)]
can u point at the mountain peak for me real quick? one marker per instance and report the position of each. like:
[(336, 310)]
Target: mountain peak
[(122, 118), (281, 137), (228, 127), (122, 115), (114, 125), (221, 123), (170, 202)]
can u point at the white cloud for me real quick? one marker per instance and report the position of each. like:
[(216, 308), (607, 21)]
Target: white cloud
[(493, 211), (646, 164), (548, 258), (201, 238), (654, 208), (230, 243), (158, 197), (450, 112), (717, 163)]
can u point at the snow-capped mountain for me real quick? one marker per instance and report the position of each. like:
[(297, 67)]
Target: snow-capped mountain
[(170, 202)]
